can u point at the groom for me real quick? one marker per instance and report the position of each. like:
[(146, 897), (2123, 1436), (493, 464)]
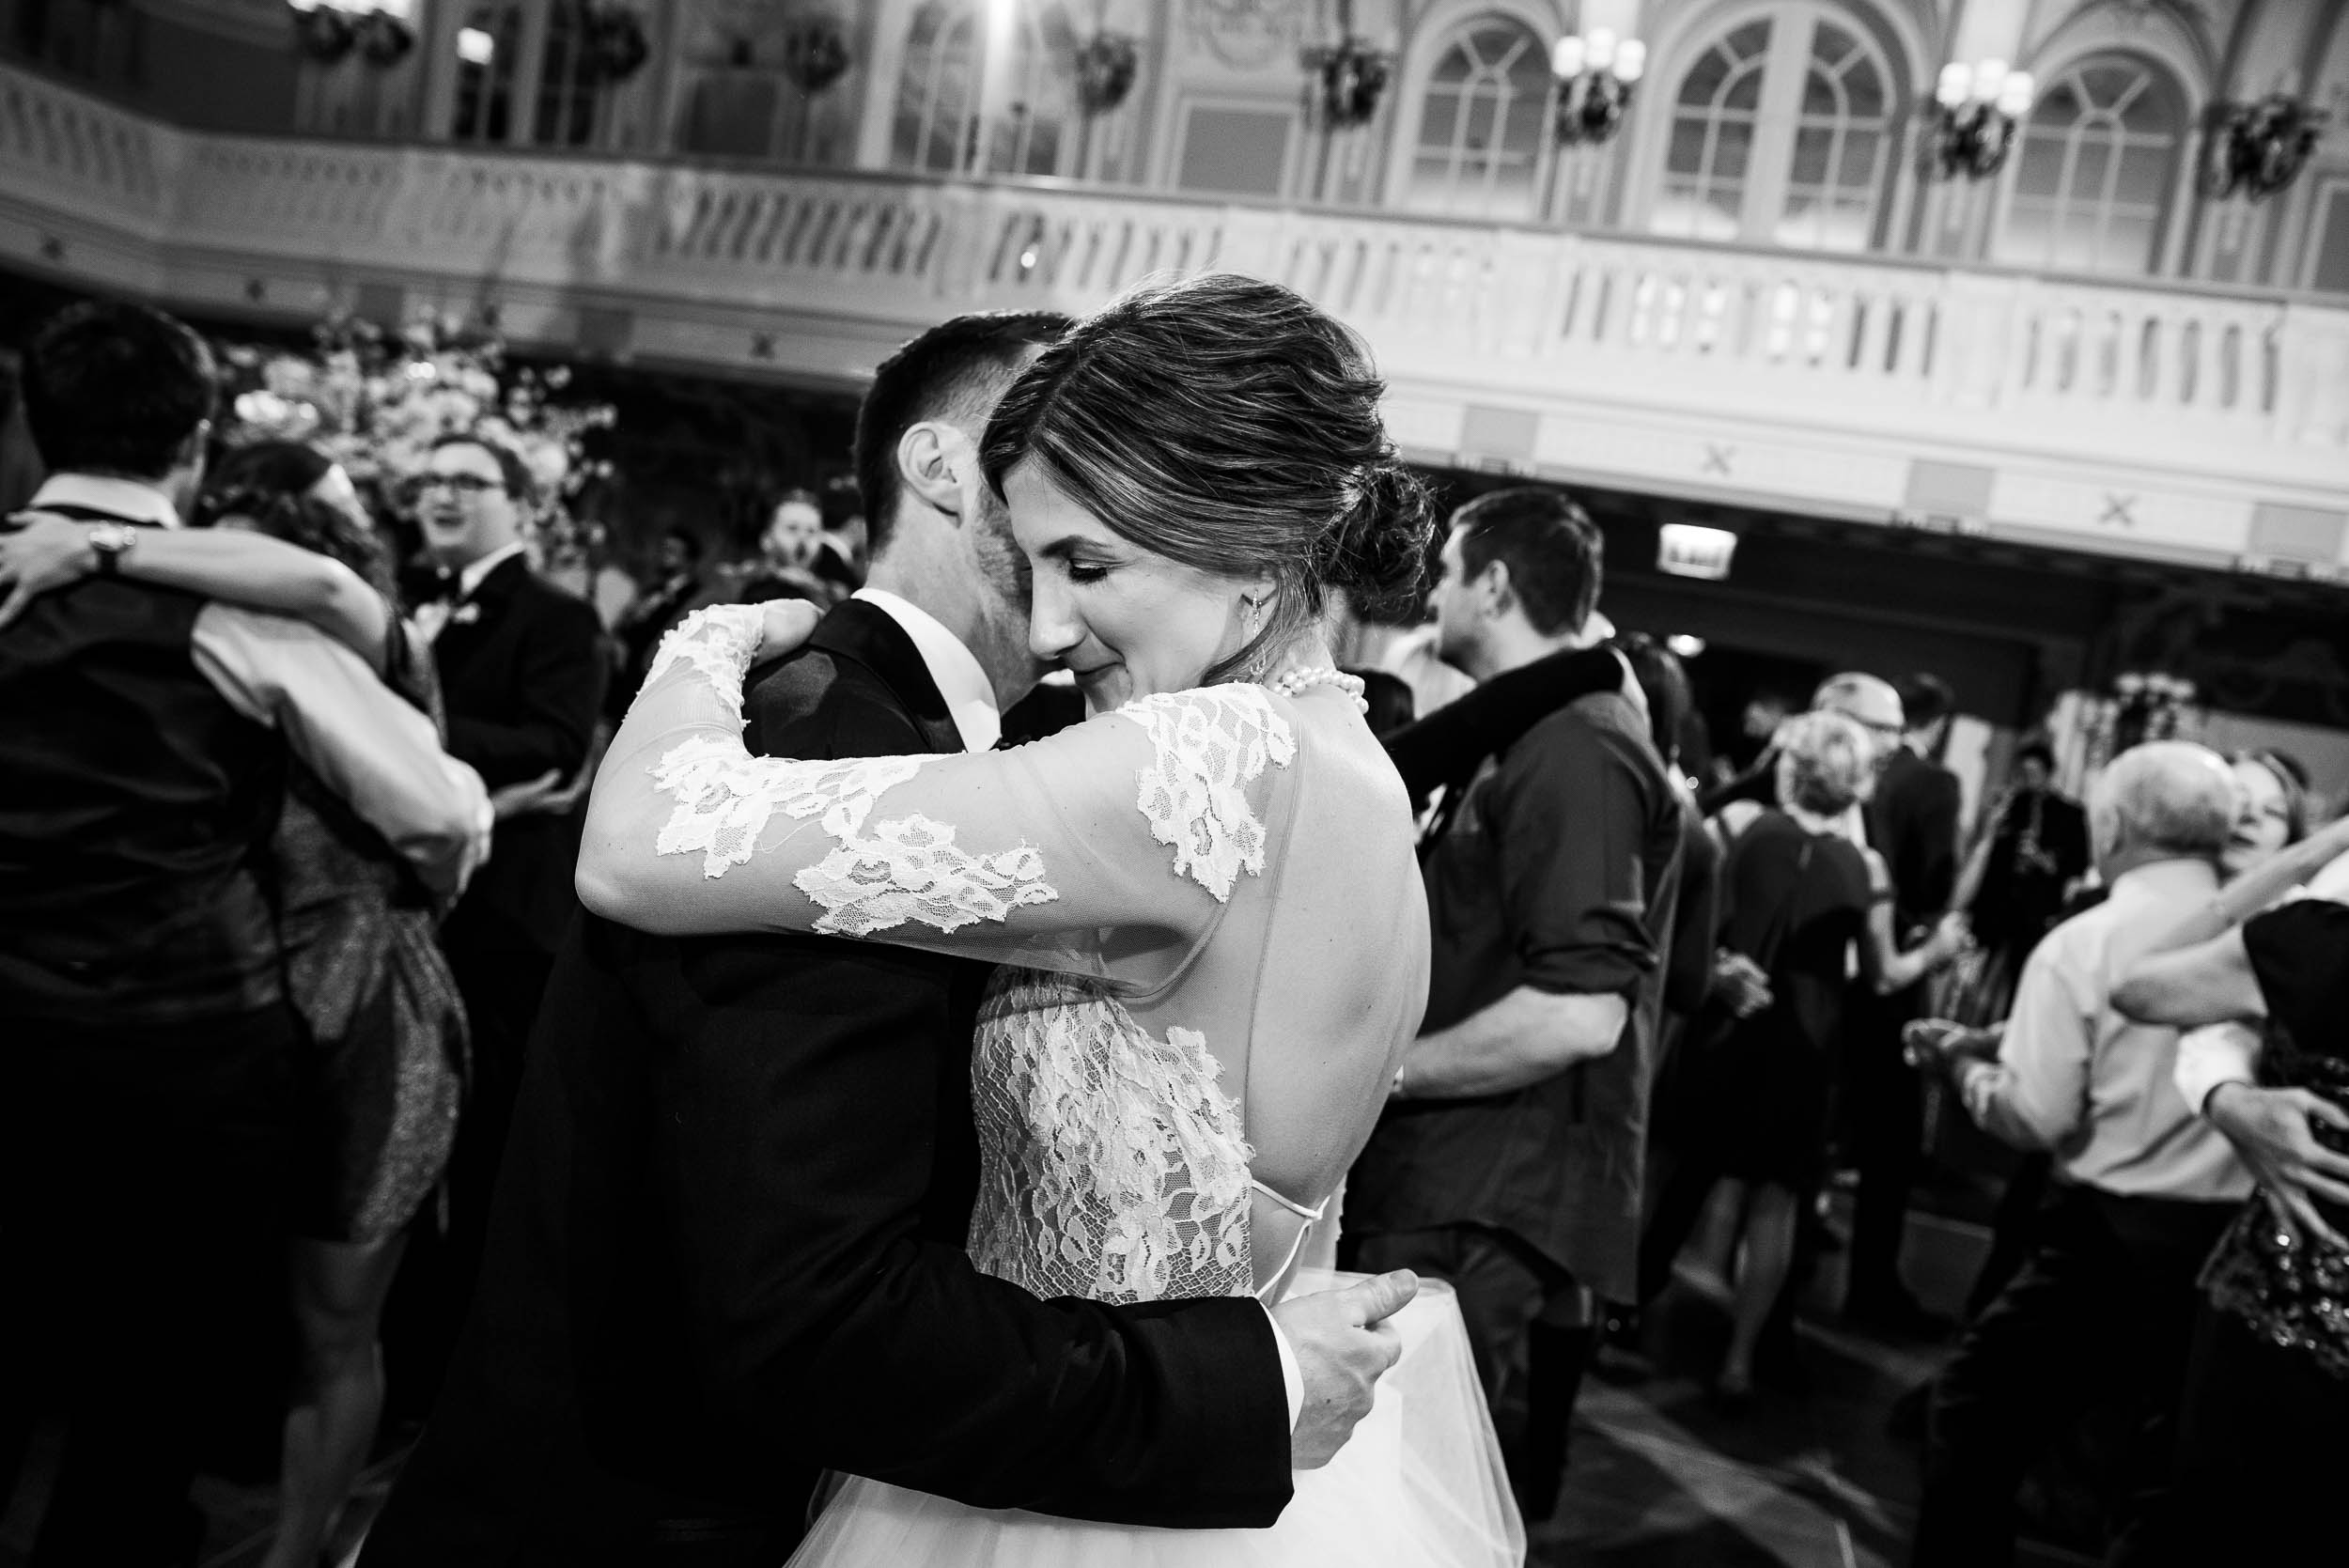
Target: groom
[(726, 1251)]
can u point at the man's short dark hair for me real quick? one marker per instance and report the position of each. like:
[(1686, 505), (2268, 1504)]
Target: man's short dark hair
[(2035, 750), (113, 388), (1553, 550), (1925, 699), (954, 371)]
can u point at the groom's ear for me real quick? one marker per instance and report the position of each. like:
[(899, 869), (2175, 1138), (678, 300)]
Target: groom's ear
[(931, 456)]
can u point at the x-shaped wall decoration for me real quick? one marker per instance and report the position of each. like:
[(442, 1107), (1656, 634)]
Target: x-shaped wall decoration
[(2117, 512), (762, 345), (1717, 458)]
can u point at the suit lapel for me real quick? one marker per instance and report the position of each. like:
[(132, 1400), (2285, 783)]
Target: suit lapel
[(474, 618), (869, 636)]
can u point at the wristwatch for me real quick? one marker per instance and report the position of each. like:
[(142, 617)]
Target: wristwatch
[(111, 542)]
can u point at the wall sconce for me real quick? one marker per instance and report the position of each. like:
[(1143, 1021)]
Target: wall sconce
[(2258, 148), (1595, 73), (1692, 550), (1346, 80), (1976, 111), (1107, 64), (327, 30)]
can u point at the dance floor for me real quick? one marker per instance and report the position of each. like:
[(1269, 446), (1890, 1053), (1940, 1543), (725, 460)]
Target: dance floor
[(1660, 1476)]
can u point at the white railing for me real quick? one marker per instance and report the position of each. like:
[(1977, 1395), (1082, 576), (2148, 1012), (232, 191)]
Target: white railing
[(2195, 376)]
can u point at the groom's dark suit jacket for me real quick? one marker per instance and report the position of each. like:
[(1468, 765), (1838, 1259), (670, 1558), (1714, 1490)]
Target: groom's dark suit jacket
[(728, 1252)]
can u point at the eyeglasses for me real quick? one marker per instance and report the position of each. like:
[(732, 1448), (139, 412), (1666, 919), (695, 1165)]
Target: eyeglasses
[(463, 484)]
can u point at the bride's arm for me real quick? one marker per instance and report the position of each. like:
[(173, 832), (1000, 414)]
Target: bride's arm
[(978, 854), (230, 565)]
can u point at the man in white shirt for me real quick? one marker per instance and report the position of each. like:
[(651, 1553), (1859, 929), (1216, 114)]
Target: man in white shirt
[(145, 1090), (2104, 1306)]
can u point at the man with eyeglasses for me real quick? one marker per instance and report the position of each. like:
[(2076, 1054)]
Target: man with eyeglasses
[(523, 675)]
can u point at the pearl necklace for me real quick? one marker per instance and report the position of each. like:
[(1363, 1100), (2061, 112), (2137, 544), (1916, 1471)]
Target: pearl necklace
[(1296, 683)]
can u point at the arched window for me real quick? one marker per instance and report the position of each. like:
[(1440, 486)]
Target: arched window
[(1781, 133), (485, 88), (945, 86), (2093, 168), (1484, 131), (569, 90)]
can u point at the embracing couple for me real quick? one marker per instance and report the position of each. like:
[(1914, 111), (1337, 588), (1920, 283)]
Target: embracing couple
[(998, 1211)]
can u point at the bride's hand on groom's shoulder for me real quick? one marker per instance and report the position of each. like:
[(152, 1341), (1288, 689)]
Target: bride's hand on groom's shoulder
[(783, 625), (1344, 1344)]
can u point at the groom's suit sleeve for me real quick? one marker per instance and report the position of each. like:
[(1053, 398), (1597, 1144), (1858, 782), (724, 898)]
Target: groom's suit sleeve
[(806, 1105)]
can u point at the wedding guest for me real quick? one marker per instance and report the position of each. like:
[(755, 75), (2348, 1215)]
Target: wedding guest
[(797, 557), (2142, 1190), (1689, 963), (2013, 886), (1509, 1160), (522, 672), (1911, 819), (2266, 1400), (375, 1108), (674, 586), (147, 1094), (1802, 904)]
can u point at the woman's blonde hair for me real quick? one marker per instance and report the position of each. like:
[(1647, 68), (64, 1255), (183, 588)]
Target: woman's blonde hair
[(1825, 762)]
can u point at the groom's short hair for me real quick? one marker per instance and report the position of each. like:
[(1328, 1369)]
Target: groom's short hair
[(955, 371)]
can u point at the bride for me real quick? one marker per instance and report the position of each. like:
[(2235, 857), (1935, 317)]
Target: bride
[(1204, 895)]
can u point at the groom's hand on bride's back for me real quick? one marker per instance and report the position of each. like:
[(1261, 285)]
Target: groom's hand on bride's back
[(1343, 1344)]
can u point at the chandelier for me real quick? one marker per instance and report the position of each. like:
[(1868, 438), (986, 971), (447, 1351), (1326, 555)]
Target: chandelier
[(1976, 111), (2258, 148), (1595, 73), (329, 30)]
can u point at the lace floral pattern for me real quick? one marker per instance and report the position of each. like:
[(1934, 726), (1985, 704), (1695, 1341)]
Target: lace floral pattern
[(722, 641), (879, 875), (1211, 744), (1112, 1165), (908, 868)]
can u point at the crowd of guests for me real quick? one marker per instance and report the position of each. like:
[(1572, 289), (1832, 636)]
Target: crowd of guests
[(288, 836)]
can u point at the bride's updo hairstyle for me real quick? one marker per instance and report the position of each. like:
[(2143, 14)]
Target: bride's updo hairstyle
[(1228, 424)]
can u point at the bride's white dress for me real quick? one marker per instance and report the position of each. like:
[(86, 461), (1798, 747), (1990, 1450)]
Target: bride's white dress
[(1113, 1161)]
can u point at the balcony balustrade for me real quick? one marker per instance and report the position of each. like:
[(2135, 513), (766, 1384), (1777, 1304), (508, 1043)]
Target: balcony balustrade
[(2144, 419)]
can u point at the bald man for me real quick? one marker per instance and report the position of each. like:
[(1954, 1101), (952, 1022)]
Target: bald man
[(2106, 1300)]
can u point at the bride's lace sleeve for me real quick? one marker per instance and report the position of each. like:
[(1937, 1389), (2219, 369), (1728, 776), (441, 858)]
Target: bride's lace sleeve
[(1123, 834)]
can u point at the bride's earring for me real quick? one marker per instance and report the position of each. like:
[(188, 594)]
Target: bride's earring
[(1251, 612)]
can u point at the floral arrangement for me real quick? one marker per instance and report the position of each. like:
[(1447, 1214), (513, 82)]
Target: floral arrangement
[(376, 403)]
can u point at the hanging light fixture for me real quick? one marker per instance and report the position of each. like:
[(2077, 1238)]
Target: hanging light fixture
[(1976, 111), (328, 30), (1594, 72), (2258, 148), (1345, 80)]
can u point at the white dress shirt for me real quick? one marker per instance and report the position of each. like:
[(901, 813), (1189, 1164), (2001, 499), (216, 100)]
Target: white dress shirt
[(954, 669), (368, 746), (431, 618), (2098, 1090), (970, 704)]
